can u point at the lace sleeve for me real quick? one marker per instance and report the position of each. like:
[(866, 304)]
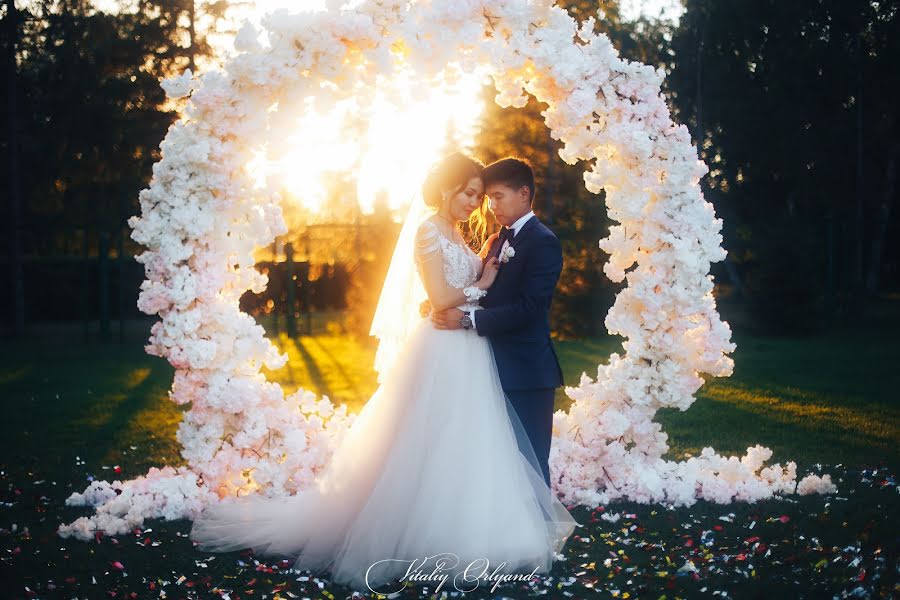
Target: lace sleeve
[(428, 242)]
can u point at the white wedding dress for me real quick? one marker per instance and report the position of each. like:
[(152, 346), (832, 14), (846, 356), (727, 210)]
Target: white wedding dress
[(435, 474)]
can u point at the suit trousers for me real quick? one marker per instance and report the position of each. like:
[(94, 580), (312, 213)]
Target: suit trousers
[(535, 411)]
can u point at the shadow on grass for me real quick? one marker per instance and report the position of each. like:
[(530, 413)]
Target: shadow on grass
[(90, 401), (316, 375), (730, 430), (807, 398), (337, 366)]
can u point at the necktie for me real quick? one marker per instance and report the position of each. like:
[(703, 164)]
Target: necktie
[(505, 234)]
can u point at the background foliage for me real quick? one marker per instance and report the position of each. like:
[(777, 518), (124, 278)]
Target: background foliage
[(791, 104)]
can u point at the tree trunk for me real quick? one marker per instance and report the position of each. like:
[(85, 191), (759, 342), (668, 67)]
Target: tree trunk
[(700, 137), (192, 32), (549, 180), (698, 134), (734, 277), (881, 219), (17, 281), (859, 218)]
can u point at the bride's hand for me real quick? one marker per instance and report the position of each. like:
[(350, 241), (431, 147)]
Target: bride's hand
[(489, 273)]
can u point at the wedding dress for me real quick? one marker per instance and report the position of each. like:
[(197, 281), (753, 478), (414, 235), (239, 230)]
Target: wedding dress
[(435, 475)]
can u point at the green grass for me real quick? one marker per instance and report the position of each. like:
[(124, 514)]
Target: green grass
[(94, 401), (829, 398), (826, 399), (337, 366)]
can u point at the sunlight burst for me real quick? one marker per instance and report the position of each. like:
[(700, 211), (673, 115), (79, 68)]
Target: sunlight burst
[(386, 147), (384, 143)]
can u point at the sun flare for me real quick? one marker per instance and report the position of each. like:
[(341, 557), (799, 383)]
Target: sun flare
[(384, 142), (386, 147)]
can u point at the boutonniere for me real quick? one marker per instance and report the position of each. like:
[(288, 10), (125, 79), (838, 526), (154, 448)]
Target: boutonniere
[(507, 254)]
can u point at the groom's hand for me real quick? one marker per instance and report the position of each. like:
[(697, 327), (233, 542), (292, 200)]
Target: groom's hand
[(447, 319), (425, 308)]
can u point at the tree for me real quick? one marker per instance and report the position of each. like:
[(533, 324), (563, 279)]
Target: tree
[(94, 116), (17, 282), (792, 105)]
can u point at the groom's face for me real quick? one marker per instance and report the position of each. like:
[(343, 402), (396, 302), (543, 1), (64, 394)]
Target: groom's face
[(507, 203)]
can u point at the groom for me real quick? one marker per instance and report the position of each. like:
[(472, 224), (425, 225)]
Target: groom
[(515, 313)]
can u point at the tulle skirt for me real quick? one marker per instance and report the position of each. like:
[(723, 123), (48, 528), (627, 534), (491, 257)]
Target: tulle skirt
[(435, 483)]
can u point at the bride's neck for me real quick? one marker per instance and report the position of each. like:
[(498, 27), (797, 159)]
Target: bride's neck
[(450, 222)]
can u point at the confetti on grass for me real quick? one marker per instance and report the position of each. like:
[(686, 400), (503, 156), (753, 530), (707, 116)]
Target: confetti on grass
[(843, 545)]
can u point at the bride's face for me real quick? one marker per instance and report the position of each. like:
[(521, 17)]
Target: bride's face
[(466, 200)]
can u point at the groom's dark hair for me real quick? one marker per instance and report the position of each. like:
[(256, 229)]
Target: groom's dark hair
[(512, 171)]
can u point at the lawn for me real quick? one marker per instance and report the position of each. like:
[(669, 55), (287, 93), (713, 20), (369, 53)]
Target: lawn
[(830, 398), (76, 410)]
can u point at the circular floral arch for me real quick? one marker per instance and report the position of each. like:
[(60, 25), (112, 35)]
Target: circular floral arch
[(202, 218)]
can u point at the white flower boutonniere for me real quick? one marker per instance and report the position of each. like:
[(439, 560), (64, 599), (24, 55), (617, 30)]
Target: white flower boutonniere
[(507, 254)]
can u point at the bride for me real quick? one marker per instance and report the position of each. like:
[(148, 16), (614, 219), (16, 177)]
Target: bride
[(435, 480)]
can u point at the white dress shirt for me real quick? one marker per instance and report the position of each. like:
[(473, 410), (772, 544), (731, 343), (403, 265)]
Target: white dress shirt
[(515, 229)]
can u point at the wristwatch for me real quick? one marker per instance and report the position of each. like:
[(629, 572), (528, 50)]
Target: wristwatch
[(466, 322)]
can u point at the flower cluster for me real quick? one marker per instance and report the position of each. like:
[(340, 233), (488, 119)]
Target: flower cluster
[(121, 506), (202, 217)]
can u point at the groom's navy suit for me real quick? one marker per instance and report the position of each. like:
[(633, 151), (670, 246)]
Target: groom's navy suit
[(515, 319)]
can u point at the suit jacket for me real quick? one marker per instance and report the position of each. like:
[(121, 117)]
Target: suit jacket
[(516, 311)]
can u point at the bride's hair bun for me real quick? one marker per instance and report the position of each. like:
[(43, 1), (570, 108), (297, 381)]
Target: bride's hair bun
[(451, 173)]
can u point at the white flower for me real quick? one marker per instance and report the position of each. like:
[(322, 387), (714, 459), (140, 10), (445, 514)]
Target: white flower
[(247, 38), (202, 220), (179, 86)]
